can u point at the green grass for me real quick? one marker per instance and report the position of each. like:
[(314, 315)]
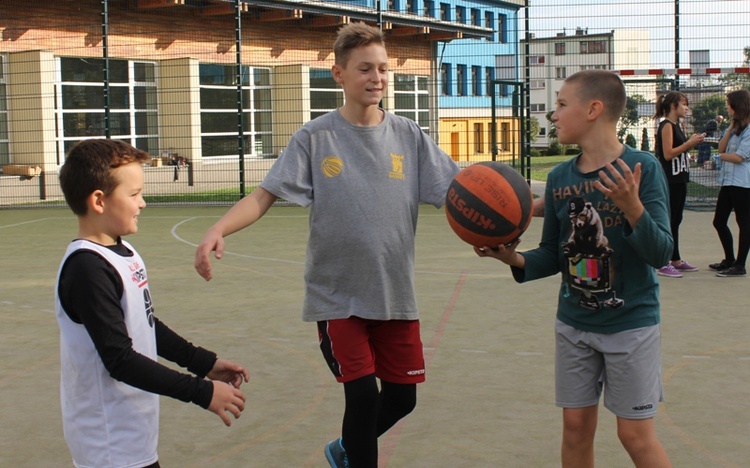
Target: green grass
[(541, 165), (212, 196)]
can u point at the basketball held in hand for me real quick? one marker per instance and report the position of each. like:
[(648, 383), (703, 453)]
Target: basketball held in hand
[(489, 204)]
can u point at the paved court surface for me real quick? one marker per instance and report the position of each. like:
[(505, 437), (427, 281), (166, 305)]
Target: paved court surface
[(488, 397)]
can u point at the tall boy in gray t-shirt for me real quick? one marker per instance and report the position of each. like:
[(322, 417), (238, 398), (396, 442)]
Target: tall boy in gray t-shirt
[(364, 173)]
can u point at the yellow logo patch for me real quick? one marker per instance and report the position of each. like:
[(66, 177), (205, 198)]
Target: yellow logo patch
[(332, 166), (397, 167)]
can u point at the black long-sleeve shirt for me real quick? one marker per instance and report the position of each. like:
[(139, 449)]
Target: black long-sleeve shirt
[(90, 290)]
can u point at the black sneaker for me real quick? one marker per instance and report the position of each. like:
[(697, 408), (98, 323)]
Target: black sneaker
[(721, 266), (732, 271)]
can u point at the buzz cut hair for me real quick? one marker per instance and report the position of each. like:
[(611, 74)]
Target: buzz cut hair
[(604, 86), (353, 36)]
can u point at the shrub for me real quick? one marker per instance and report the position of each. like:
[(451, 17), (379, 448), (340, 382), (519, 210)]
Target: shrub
[(554, 148), (631, 141)]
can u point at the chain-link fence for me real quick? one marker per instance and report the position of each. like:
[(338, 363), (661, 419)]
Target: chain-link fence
[(213, 89)]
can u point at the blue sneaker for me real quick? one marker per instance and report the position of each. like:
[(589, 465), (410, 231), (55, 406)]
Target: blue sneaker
[(336, 454)]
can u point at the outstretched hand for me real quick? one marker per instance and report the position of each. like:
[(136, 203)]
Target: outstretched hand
[(226, 400), (505, 253), (622, 188), (212, 242), (229, 372)]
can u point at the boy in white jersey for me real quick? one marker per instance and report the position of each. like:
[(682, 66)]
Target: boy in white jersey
[(363, 172), (109, 336)]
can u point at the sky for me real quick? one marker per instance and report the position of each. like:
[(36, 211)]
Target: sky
[(721, 26)]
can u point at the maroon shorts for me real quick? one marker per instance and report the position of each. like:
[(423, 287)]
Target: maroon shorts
[(356, 347)]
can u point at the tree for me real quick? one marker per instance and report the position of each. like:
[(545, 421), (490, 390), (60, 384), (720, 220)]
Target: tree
[(738, 80), (707, 109), (631, 117), (534, 128), (552, 129), (645, 143)]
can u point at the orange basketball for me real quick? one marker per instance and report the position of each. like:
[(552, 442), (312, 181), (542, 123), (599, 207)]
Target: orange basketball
[(489, 204)]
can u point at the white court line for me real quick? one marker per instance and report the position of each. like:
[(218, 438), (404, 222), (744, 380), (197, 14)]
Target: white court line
[(476, 351), (29, 222), (227, 252), (696, 357), (528, 353), (295, 262)]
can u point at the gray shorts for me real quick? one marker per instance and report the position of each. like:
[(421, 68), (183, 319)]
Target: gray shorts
[(626, 365)]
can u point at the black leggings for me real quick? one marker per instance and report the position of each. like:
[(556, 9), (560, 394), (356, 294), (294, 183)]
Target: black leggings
[(737, 199), (677, 197), (369, 413)]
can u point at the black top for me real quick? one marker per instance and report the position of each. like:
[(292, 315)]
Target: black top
[(678, 168), (90, 290)]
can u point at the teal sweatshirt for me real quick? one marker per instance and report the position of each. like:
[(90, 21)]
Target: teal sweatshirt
[(609, 282)]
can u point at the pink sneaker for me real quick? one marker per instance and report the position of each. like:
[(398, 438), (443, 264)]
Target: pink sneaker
[(685, 266), (669, 270)]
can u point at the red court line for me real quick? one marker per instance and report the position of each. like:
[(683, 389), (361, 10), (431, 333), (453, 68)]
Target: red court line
[(391, 437)]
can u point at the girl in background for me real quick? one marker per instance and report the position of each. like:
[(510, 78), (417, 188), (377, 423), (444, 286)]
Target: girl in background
[(734, 179), (672, 148)]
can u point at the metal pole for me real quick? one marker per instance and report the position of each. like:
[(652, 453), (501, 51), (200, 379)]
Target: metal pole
[(238, 79), (105, 56), (677, 40), (526, 93), (380, 14)]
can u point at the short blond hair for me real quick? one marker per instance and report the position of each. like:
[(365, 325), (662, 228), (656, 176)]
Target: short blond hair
[(353, 36), (604, 86)]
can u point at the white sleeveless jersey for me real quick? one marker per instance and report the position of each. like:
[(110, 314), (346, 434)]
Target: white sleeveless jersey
[(108, 423)]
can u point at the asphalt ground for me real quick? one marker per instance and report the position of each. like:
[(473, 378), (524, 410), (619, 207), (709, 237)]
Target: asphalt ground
[(488, 399)]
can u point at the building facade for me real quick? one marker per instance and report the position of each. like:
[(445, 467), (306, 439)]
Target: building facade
[(552, 59), (172, 77)]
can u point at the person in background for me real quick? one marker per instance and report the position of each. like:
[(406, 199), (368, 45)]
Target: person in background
[(713, 127), (672, 148), (734, 179)]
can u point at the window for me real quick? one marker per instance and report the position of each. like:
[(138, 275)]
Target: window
[(536, 60), (543, 131), (478, 138), (4, 142), (505, 66), (445, 12), (476, 16), (325, 94), (476, 80), (461, 14), (218, 89), (489, 76), (537, 84), (391, 5), (412, 98), (538, 107), (505, 136), (592, 47), (489, 22), (132, 102), (559, 48), (502, 28), (461, 80), (409, 6), (594, 67), (445, 79), (429, 8), (560, 73)]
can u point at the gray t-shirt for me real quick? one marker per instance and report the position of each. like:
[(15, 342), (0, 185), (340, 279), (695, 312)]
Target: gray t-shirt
[(364, 186)]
